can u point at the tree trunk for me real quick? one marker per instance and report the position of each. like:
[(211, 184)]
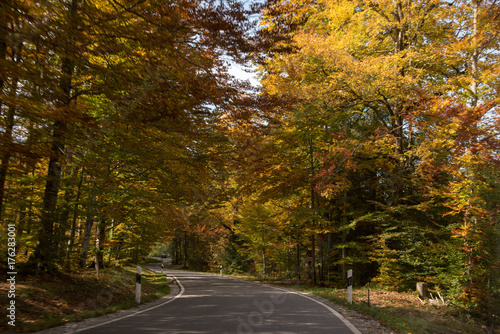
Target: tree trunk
[(10, 114), (44, 252), (72, 232), (9, 121), (60, 234), (26, 213), (4, 166), (328, 248), (343, 256), (111, 236), (99, 245), (399, 38), (264, 249), (313, 264), (321, 259), (475, 56), (175, 257), (297, 260), (185, 258), (5, 7), (89, 222), (313, 208)]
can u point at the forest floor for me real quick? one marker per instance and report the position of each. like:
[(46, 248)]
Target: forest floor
[(398, 311), (49, 300)]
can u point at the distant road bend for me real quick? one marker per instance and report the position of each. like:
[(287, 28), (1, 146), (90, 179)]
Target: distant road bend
[(217, 304)]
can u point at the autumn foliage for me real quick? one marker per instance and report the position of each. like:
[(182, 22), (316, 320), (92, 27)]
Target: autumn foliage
[(372, 142)]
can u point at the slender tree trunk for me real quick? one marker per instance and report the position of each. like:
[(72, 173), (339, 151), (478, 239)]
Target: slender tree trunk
[(185, 259), (475, 56), (111, 236), (174, 251), (264, 261), (60, 234), (72, 231), (343, 256), (26, 223), (399, 38), (9, 121), (474, 101), (329, 241), (89, 222), (313, 208), (313, 264), (321, 259), (5, 7), (4, 166), (297, 260), (99, 242), (264, 249)]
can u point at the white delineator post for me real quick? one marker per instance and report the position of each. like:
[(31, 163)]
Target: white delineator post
[(221, 270), (138, 285), (349, 286)]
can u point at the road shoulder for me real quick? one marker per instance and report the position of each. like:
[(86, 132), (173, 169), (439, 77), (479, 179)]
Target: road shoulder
[(75, 327)]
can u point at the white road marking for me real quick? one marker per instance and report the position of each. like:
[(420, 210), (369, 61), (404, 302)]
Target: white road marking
[(337, 314), (138, 312), (353, 329)]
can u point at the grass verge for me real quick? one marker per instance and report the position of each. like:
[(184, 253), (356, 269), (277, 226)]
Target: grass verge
[(50, 300)]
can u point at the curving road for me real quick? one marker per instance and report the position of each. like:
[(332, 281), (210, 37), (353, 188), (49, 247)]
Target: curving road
[(217, 304)]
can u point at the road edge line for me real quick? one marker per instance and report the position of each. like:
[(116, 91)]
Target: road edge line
[(334, 312), (181, 292), (346, 322)]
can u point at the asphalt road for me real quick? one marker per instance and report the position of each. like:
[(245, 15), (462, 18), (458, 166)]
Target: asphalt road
[(217, 304)]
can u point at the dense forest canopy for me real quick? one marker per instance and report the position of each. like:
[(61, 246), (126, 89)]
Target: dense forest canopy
[(372, 142)]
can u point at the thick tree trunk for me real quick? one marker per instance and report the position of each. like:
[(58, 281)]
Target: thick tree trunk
[(44, 254)]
